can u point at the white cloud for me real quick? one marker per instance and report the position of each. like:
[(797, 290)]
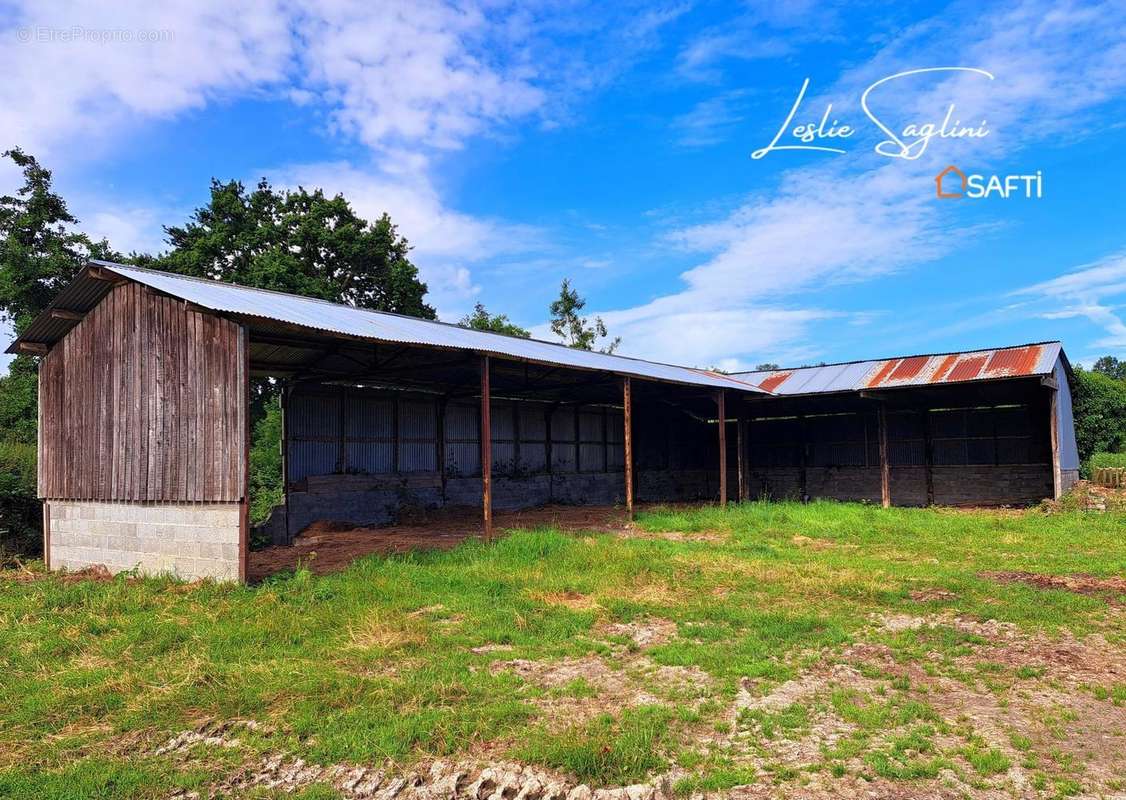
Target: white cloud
[(128, 229), (413, 72), (78, 71), (710, 121), (1083, 292)]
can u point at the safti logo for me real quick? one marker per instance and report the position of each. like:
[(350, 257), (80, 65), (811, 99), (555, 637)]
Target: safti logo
[(955, 181), (953, 184)]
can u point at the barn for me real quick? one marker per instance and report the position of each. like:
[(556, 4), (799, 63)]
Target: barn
[(146, 381)]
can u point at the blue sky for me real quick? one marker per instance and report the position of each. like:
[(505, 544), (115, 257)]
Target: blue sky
[(516, 144)]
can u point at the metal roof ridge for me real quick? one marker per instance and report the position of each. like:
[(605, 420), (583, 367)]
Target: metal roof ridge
[(124, 269), (901, 358)]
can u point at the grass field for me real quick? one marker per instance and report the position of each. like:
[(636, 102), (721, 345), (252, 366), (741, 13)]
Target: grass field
[(779, 646)]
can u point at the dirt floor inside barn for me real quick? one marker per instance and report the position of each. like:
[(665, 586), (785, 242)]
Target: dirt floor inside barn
[(328, 546)]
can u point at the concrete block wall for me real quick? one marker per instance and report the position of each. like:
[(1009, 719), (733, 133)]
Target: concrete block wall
[(188, 540)]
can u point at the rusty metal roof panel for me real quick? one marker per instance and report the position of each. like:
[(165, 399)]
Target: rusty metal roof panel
[(921, 370), (334, 318)]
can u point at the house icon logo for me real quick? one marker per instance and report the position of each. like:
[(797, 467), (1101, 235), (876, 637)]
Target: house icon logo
[(950, 184)]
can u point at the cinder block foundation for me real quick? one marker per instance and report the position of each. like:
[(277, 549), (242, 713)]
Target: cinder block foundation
[(188, 540)]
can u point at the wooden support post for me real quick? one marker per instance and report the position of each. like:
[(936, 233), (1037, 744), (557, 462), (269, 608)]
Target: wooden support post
[(720, 402), (486, 451), (244, 510), (440, 444), (285, 392), (627, 441), (1054, 433), (803, 466), (741, 458), (885, 471), (928, 455)]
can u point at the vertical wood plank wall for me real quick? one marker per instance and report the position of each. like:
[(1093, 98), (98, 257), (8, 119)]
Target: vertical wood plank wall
[(144, 400)]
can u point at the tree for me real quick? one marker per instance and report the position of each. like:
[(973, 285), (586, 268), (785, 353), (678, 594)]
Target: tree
[(573, 329), (1099, 409), (300, 242), (769, 366), (40, 253), (1111, 367), (482, 320)]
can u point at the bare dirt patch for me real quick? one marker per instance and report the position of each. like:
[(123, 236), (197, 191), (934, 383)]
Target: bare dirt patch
[(930, 595), (645, 633), (576, 601), (1092, 585), (579, 689), (711, 537)]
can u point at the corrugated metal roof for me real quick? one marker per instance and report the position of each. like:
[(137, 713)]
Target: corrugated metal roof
[(334, 318), (939, 368)]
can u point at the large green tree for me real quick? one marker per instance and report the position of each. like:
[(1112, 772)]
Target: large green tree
[(574, 329), (300, 242)]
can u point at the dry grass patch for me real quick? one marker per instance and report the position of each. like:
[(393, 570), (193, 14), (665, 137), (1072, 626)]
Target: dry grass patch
[(576, 601)]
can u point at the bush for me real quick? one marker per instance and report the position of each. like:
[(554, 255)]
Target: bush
[(21, 513), (266, 464), (1100, 415)]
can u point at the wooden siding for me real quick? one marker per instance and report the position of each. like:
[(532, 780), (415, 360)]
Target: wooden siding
[(144, 400)]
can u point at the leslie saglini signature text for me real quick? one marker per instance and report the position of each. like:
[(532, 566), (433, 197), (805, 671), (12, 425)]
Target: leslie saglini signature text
[(909, 144)]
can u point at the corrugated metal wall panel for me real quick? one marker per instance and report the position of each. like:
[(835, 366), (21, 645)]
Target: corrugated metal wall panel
[(313, 416), (461, 421), (370, 417), (504, 457), (533, 422), (501, 416), (418, 457), (311, 458), (463, 459), (367, 417), (563, 425), (563, 457), (418, 419), (533, 457)]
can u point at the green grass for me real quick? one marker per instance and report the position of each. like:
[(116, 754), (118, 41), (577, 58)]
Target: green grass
[(374, 663), (607, 750)]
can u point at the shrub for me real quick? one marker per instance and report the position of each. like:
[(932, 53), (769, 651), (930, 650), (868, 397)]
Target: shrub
[(21, 515), (1100, 415), (266, 464)]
